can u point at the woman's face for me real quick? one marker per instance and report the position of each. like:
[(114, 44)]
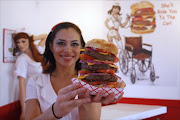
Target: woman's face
[(66, 47), (23, 44), (115, 10)]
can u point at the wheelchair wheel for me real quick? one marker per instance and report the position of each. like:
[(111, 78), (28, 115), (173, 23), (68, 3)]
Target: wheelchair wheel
[(123, 61), (152, 74), (143, 65), (133, 76)]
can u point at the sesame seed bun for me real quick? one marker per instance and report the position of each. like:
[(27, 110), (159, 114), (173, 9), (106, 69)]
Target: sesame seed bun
[(103, 44), (142, 4)]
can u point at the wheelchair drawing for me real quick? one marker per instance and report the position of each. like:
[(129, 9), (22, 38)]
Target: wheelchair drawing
[(136, 53)]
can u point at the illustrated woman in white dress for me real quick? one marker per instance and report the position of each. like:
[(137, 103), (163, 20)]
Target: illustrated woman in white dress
[(116, 19), (28, 62)]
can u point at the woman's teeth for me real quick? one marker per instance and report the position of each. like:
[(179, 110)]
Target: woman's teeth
[(67, 58)]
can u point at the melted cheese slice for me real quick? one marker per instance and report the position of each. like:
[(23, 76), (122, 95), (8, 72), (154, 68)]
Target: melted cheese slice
[(90, 63), (82, 49), (145, 16), (150, 19), (149, 27), (114, 66), (82, 77), (109, 65), (103, 53)]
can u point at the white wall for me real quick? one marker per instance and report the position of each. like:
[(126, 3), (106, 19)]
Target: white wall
[(39, 16)]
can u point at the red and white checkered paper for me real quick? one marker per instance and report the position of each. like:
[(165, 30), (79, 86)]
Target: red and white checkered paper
[(94, 90)]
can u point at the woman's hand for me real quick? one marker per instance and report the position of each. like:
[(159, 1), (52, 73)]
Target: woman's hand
[(92, 111), (128, 17), (42, 38), (106, 100), (66, 101), (111, 99), (99, 97)]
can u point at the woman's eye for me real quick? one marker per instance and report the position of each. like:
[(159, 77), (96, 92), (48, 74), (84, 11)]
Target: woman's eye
[(23, 41), (61, 43), (75, 44)]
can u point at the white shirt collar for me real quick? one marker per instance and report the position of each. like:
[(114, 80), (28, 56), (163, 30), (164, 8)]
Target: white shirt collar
[(47, 91)]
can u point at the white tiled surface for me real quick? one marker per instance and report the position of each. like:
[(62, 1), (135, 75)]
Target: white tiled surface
[(131, 111)]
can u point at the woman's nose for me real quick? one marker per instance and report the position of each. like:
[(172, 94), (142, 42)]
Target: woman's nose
[(19, 44), (67, 48)]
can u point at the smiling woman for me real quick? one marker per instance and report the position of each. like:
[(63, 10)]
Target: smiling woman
[(52, 94)]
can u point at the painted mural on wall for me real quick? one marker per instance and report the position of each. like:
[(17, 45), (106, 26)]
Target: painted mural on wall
[(114, 16), (138, 29), (8, 46), (143, 17)]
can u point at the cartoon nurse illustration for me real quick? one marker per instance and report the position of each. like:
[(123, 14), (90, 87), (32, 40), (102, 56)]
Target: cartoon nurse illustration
[(115, 17)]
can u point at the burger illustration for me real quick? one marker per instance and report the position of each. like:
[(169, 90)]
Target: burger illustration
[(98, 68), (143, 17)]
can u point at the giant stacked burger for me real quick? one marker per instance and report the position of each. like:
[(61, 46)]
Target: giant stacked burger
[(143, 17), (98, 66)]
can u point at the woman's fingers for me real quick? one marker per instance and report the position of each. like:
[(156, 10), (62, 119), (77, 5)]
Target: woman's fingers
[(69, 88), (77, 102), (67, 106), (118, 97), (111, 98), (108, 99), (85, 95), (72, 94), (98, 97), (66, 98)]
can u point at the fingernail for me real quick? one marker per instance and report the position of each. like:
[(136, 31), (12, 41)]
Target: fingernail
[(83, 89), (77, 83)]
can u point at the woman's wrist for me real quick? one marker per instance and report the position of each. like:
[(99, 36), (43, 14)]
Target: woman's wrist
[(32, 37), (54, 112), (90, 111)]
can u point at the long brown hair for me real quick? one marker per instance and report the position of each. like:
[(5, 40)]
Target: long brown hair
[(35, 53)]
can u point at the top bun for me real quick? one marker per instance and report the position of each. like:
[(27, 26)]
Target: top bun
[(103, 44), (142, 4)]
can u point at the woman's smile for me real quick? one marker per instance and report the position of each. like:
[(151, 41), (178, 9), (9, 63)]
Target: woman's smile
[(67, 57)]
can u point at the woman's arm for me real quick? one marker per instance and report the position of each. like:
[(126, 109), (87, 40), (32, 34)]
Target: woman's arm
[(126, 22), (22, 94), (42, 39), (90, 111), (33, 111), (107, 25)]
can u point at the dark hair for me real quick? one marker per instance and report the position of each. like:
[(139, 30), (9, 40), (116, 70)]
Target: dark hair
[(49, 60), (114, 6), (35, 53)]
